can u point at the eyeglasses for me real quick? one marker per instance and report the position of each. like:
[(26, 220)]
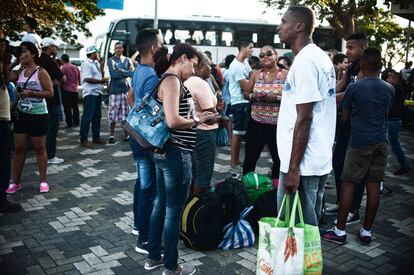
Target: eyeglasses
[(268, 54)]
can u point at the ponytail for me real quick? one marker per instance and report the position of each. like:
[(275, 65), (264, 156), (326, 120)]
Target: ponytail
[(162, 61)]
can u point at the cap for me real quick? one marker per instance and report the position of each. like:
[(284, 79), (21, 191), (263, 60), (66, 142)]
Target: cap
[(92, 49), (47, 42)]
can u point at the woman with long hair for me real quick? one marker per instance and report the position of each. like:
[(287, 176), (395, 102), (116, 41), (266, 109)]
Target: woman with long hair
[(173, 162), (31, 119), (265, 101)]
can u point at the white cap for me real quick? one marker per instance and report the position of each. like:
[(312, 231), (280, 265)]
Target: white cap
[(92, 49), (47, 42)]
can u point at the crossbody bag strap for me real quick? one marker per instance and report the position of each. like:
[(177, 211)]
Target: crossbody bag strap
[(27, 80)]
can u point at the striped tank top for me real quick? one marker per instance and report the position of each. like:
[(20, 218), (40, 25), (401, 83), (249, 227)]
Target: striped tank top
[(185, 138), (267, 112), (31, 105)]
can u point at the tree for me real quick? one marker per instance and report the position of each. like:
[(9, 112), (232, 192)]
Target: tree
[(349, 16), (55, 17)]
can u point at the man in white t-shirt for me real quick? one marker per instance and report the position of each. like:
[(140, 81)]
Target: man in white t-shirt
[(239, 72), (307, 118), (31, 35)]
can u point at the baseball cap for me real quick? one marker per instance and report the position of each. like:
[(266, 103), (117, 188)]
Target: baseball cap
[(92, 49), (47, 42)]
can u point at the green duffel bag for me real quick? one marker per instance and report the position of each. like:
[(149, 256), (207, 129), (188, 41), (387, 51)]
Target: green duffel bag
[(256, 185)]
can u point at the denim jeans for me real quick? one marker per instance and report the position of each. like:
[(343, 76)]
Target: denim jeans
[(204, 156), (91, 114), (5, 163), (144, 190), (173, 181), (394, 127), (311, 189), (338, 160)]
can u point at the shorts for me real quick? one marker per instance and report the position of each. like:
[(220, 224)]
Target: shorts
[(366, 162), (204, 156), (118, 108), (239, 112), (32, 125)]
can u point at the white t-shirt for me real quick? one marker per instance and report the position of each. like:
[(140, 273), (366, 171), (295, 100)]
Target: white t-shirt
[(310, 79), (91, 69), (237, 72)]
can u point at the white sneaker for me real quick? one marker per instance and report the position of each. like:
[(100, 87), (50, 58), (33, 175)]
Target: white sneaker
[(55, 160), (134, 231)]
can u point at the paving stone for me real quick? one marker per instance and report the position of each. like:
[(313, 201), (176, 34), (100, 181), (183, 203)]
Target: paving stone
[(35, 270)]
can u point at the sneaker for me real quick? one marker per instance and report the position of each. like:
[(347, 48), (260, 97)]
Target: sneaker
[(402, 171), (238, 170), (9, 207), (44, 187), (99, 141), (111, 140), (365, 240), (351, 219), (153, 264), (142, 247), (13, 187), (86, 144), (55, 160), (332, 210), (330, 236), (135, 231), (181, 270)]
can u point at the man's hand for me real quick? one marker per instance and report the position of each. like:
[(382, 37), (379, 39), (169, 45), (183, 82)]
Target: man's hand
[(291, 181)]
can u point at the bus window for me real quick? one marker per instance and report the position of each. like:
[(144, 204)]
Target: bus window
[(227, 38), (254, 38)]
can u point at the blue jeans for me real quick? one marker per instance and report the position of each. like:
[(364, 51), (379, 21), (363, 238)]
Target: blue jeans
[(91, 114), (144, 190), (338, 160), (173, 181), (311, 189), (394, 127), (204, 156)]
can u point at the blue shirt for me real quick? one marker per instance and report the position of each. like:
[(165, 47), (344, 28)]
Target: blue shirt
[(144, 81), (369, 101), (119, 70)]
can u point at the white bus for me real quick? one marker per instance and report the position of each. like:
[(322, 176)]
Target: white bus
[(208, 33)]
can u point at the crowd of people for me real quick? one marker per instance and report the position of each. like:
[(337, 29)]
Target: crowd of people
[(299, 109)]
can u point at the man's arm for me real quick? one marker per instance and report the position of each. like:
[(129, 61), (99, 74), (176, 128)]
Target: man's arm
[(346, 115), (299, 144), (118, 73)]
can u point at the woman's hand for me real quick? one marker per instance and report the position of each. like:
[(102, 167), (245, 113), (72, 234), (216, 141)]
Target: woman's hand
[(26, 93)]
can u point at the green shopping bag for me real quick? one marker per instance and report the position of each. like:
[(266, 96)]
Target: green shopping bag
[(286, 247), (256, 185)]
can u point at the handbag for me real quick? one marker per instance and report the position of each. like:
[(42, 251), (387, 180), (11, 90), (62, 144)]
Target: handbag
[(146, 121)]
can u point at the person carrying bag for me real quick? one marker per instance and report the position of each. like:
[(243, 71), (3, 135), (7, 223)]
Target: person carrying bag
[(286, 247)]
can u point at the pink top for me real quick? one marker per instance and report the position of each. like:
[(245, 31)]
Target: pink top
[(72, 77), (31, 105), (203, 98), (33, 83)]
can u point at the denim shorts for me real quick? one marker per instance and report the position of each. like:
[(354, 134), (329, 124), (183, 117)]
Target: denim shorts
[(204, 155), (366, 162), (239, 112)]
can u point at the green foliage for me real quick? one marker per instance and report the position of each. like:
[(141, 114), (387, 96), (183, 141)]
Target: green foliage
[(55, 17), (349, 16)]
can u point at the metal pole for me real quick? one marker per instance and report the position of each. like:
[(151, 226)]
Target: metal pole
[(156, 15), (408, 41)]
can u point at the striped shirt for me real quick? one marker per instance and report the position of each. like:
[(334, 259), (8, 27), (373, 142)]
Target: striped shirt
[(184, 139)]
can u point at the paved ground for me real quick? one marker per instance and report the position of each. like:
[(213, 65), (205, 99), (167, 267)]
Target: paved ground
[(83, 225)]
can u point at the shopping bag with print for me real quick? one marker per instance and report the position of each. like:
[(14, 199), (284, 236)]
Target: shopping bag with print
[(281, 243), (238, 235)]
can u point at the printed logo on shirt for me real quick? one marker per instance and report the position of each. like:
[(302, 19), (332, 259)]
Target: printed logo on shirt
[(287, 87)]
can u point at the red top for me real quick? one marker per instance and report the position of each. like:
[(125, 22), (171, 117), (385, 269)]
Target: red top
[(72, 77)]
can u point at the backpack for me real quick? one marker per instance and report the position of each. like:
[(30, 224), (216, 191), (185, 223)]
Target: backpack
[(265, 206), (202, 222), (233, 195)]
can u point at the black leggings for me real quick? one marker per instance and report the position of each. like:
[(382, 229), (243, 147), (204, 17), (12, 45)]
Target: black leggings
[(257, 136)]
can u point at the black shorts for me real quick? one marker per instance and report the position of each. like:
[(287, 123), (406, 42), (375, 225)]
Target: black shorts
[(32, 125)]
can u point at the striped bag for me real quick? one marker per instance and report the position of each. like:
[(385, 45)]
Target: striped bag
[(238, 235)]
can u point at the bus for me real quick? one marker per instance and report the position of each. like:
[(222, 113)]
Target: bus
[(207, 33)]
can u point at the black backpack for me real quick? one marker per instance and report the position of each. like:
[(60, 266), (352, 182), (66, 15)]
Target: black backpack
[(202, 222), (233, 195), (265, 206)]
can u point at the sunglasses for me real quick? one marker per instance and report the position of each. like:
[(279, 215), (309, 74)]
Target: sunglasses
[(268, 54)]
